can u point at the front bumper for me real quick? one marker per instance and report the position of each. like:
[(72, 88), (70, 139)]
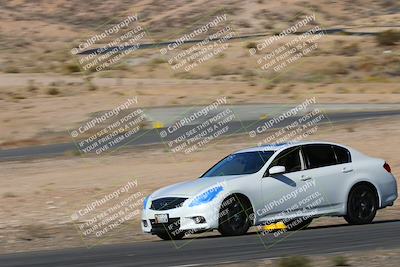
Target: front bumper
[(182, 219)]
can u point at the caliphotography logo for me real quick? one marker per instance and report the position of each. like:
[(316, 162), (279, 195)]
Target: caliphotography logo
[(199, 127), (98, 219)]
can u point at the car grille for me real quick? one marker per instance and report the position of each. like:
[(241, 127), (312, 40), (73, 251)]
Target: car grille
[(172, 225), (167, 203)]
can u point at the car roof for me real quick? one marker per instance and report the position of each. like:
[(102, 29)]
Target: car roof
[(279, 146)]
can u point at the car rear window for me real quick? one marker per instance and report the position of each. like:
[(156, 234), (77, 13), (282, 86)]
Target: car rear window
[(342, 154), (319, 155)]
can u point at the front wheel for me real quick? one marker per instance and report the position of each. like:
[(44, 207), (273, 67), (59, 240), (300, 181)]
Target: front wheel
[(361, 205), (235, 217)]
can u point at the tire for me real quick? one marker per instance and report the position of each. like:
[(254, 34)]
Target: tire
[(298, 224), (361, 205), (235, 214), (170, 236)]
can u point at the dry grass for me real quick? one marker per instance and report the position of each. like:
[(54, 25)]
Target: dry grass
[(388, 38)]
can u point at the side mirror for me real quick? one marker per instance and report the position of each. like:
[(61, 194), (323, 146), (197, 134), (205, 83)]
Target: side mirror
[(277, 170)]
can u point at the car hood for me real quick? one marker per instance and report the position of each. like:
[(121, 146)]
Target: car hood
[(194, 187)]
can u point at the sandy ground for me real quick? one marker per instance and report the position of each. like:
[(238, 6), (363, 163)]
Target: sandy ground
[(39, 107), (39, 196), (35, 118)]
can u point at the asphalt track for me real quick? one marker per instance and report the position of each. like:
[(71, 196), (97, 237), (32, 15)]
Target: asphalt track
[(209, 251), (152, 136)]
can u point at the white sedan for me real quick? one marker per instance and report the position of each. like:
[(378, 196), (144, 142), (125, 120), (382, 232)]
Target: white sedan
[(293, 183)]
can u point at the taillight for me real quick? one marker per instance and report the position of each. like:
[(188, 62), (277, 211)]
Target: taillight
[(387, 167)]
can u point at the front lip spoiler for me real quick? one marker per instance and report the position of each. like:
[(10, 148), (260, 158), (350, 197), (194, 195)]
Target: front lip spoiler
[(158, 231)]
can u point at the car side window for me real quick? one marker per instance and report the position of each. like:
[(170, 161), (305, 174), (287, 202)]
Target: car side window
[(342, 155), (289, 158), (319, 155)]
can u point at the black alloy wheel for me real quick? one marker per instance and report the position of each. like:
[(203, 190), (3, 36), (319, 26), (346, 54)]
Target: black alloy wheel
[(361, 205), (235, 216)]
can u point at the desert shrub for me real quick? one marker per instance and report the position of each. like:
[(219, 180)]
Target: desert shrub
[(251, 45), (389, 37), (187, 75), (267, 25), (269, 85), (157, 61), (218, 70), (366, 63), (388, 3), (74, 152), (11, 69), (244, 24), (341, 48), (294, 261), (248, 73), (9, 195), (286, 88), (71, 68), (336, 68), (338, 43), (92, 86), (34, 231), (351, 49), (120, 66), (231, 10), (53, 91), (17, 96), (31, 86), (340, 261), (341, 90)]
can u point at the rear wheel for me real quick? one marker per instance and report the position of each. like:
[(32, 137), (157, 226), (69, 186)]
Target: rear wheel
[(235, 216), (361, 205)]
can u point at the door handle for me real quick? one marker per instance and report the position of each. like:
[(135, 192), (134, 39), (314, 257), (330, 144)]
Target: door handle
[(346, 170), (305, 178)]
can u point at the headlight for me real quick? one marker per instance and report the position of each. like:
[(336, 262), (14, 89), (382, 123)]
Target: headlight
[(206, 196), (145, 202)]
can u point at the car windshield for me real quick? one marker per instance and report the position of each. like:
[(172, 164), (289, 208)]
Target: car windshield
[(240, 163)]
